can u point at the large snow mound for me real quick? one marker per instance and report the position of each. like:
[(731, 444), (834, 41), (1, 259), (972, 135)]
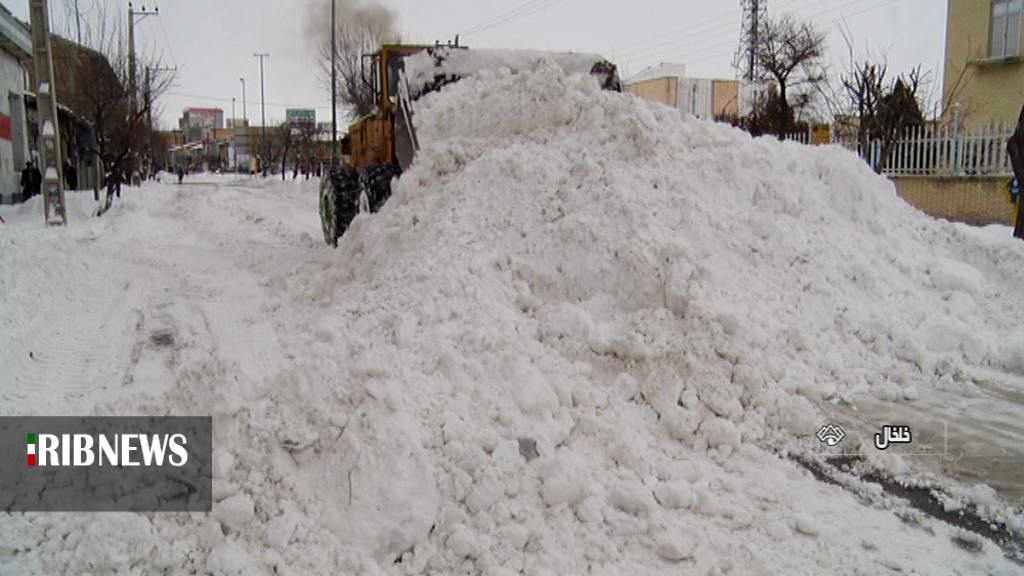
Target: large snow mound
[(646, 296), (567, 345), (425, 67)]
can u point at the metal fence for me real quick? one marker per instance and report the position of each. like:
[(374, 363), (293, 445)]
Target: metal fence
[(946, 151), (937, 150)]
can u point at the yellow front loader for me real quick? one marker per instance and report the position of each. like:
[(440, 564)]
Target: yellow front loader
[(382, 144)]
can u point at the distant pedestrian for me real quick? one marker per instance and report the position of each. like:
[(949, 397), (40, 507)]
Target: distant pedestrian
[(181, 174), (70, 175), (31, 180), (1015, 149), (26, 181)]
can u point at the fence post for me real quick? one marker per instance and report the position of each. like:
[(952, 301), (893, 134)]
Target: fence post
[(956, 141)]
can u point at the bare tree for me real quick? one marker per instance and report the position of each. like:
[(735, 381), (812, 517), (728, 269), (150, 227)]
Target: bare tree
[(881, 108), (307, 138), (96, 86), (790, 55), (284, 137), (361, 28), (884, 107)]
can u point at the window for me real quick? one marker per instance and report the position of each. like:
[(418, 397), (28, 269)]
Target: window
[(1005, 34)]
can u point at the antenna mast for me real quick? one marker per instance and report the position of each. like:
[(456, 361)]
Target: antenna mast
[(746, 56)]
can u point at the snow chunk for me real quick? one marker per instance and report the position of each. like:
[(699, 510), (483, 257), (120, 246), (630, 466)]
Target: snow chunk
[(1011, 352), (948, 276), (720, 432), (235, 513), (632, 497), (672, 546), (779, 531), (678, 494), (231, 557), (529, 387), (463, 542), (567, 481), (806, 524)]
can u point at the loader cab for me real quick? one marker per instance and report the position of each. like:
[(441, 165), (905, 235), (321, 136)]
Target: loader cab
[(372, 137), (384, 69)]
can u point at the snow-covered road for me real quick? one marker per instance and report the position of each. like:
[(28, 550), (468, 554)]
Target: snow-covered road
[(113, 319)]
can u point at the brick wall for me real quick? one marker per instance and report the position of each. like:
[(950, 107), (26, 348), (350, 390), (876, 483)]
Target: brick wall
[(974, 200)]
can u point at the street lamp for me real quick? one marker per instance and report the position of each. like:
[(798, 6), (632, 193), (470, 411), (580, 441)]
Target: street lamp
[(263, 109), (245, 123)]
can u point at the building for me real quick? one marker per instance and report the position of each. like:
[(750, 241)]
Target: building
[(82, 76), (18, 126), (983, 69), (15, 52), (701, 97), (198, 124)]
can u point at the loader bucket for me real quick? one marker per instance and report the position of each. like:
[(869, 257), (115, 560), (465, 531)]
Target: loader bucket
[(434, 68)]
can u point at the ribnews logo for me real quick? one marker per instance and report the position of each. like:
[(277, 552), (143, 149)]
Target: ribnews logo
[(131, 464), (121, 450)]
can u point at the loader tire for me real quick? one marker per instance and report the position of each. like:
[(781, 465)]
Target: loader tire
[(375, 182), (339, 198)]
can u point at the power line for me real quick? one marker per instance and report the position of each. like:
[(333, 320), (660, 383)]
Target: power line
[(522, 11), (674, 32), (676, 45), (684, 54), (703, 25), (492, 20), (855, 14), (170, 46), (223, 99)]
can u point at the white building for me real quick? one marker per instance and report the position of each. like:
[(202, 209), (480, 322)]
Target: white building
[(704, 98), (15, 51)]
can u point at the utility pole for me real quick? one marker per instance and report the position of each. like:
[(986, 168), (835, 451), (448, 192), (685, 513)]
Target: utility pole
[(245, 123), (132, 13), (78, 22), (334, 96), (46, 104), (234, 135), (147, 99), (263, 112)]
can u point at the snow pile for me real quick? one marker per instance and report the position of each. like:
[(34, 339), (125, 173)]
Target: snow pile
[(647, 297), (566, 346), (425, 67)]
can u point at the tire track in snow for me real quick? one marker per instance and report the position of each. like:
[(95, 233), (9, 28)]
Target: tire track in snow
[(64, 355)]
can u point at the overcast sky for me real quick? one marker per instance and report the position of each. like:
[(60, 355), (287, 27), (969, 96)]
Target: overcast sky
[(212, 42)]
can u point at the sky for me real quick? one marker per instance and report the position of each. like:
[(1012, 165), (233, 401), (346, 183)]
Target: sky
[(212, 44)]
